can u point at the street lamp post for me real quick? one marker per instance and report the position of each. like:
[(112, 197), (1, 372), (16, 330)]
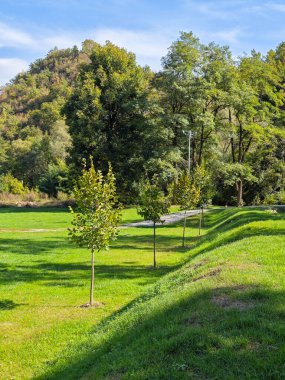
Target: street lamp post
[(189, 152)]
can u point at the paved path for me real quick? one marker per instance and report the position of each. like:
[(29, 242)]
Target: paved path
[(168, 219)]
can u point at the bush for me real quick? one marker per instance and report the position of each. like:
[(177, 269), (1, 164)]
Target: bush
[(54, 180), (11, 185), (277, 198)]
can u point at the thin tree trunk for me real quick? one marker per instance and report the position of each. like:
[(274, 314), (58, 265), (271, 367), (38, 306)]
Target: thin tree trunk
[(184, 228), (154, 246), (240, 193), (200, 221), (92, 278)]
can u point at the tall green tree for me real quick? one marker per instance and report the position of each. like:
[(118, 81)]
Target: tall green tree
[(249, 119), (96, 217), (193, 84), (113, 114)]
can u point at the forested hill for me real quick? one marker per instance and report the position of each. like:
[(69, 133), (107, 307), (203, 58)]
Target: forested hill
[(139, 121), (34, 137)]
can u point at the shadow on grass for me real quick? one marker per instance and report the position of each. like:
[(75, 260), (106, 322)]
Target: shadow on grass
[(186, 337), (9, 305), (68, 274), (218, 222)]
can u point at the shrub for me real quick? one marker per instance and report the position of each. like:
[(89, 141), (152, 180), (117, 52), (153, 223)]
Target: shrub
[(10, 184), (277, 198)]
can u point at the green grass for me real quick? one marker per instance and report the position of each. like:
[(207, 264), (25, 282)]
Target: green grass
[(220, 315), (44, 279), (47, 217), (15, 218)]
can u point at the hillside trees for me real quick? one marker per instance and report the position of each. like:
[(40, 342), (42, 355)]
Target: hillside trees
[(32, 130), (99, 101)]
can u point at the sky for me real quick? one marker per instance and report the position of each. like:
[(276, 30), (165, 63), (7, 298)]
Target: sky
[(30, 28)]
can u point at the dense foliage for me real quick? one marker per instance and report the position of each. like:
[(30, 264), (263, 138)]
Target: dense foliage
[(98, 101)]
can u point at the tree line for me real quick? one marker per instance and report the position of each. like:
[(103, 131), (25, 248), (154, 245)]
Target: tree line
[(99, 102)]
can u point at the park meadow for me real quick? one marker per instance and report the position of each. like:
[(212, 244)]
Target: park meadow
[(212, 302)]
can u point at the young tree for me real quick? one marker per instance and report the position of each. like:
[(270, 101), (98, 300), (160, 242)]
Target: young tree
[(97, 215), (187, 194), (153, 204)]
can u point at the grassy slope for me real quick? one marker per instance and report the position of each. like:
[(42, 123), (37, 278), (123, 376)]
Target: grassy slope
[(43, 280), (220, 316)]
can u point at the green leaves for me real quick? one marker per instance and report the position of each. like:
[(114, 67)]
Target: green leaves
[(153, 203), (97, 215), (185, 192), (235, 172)]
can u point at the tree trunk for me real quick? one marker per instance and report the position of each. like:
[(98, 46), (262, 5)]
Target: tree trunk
[(154, 246), (184, 228), (92, 278), (240, 193)]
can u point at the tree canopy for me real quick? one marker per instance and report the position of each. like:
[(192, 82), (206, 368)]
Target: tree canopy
[(98, 101)]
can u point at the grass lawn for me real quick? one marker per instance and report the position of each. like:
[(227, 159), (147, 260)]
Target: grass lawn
[(44, 279), (216, 311), (16, 218)]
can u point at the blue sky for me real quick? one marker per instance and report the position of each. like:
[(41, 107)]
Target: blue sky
[(30, 28)]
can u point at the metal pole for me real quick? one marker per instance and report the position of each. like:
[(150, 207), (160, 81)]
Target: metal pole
[(189, 152)]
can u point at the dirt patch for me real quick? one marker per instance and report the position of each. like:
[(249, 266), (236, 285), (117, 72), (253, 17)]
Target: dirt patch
[(209, 274), (96, 304), (227, 302), (200, 264), (193, 321), (253, 346)]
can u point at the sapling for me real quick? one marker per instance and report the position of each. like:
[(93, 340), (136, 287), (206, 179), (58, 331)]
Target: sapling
[(186, 194), (153, 204), (97, 215)]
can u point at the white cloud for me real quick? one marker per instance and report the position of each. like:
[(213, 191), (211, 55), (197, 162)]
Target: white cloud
[(149, 46), (62, 41), (230, 36), (276, 6), (9, 67), (13, 37)]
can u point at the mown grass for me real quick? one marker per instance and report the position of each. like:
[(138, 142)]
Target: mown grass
[(220, 315), (15, 218), (47, 217), (44, 280)]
